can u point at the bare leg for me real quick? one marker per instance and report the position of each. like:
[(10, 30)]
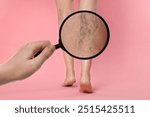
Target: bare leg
[(85, 84), (64, 8)]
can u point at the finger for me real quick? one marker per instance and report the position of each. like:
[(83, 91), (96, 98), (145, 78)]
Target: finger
[(39, 44), (35, 47), (44, 55)]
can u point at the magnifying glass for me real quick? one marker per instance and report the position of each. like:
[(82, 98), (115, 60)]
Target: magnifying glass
[(83, 35)]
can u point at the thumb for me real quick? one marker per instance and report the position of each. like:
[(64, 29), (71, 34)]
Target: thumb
[(44, 55)]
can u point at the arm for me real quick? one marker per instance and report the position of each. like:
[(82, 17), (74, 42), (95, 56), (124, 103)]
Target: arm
[(4, 77), (26, 61)]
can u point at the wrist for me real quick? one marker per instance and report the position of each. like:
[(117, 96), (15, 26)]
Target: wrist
[(5, 74)]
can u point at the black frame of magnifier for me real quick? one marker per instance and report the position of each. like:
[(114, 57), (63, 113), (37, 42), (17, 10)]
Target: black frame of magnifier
[(60, 44)]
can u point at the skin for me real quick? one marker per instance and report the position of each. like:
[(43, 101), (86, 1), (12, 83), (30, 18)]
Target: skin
[(88, 35), (85, 83), (64, 8), (26, 61)]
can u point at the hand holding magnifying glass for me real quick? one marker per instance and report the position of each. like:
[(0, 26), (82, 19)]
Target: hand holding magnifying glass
[(83, 35), (26, 61)]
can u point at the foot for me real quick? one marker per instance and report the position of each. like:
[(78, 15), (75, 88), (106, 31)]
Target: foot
[(69, 81), (85, 85), (86, 88)]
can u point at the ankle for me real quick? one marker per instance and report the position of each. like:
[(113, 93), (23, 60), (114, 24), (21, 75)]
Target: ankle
[(85, 75), (70, 74), (85, 80)]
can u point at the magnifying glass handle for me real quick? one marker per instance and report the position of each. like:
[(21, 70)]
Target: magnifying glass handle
[(57, 46)]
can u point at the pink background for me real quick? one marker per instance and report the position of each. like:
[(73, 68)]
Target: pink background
[(121, 72)]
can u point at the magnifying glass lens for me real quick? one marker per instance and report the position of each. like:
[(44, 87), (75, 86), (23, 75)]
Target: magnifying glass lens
[(84, 34)]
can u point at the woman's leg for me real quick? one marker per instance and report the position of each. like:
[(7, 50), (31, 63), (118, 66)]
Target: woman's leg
[(64, 8), (85, 84)]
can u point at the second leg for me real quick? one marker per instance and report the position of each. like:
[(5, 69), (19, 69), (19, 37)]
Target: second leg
[(64, 8)]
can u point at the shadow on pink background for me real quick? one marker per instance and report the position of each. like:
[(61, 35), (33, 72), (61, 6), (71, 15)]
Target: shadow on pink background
[(121, 72)]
